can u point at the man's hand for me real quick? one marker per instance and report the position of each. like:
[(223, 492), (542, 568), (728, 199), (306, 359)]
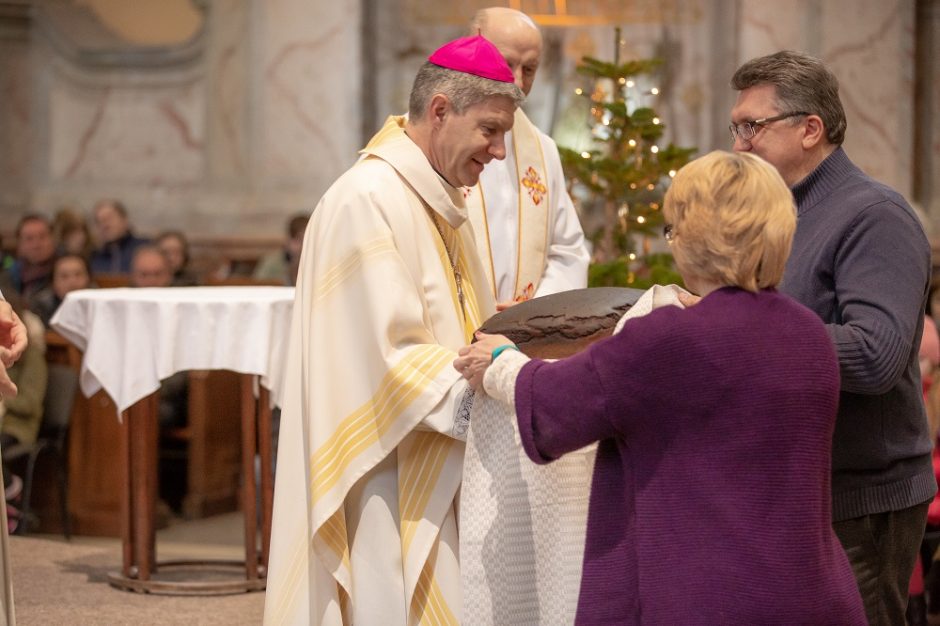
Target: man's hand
[(12, 335)]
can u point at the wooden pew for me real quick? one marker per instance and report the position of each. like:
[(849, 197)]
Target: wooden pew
[(94, 476), (110, 281), (213, 443)]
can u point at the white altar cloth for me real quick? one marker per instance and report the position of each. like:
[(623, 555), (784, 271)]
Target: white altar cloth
[(134, 338)]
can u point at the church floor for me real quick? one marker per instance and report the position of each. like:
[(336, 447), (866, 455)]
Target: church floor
[(59, 582)]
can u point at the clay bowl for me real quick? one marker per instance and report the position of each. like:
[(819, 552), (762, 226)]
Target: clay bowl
[(562, 324)]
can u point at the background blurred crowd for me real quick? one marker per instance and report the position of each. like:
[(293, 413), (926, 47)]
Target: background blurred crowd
[(49, 257)]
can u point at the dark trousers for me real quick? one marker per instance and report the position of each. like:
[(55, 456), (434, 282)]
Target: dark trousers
[(882, 549)]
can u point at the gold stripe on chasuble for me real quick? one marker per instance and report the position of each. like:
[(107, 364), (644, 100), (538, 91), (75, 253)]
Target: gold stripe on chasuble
[(428, 601), (334, 536), (417, 478), (444, 243), (393, 127), (335, 276), (400, 386), (472, 319), (470, 311), (292, 581)]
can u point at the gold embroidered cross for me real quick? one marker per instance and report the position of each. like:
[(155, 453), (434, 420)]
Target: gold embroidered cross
[(533, 184)]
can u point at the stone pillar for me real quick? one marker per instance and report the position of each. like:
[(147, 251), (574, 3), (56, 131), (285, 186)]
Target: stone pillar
[(223, 135), (926, 121), (15, 108), (868, 45)]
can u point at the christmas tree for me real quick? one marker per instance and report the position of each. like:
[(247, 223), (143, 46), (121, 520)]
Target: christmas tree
[(619, 183)]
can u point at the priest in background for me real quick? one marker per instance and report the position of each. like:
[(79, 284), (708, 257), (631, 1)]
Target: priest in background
[(373, 420), (527, 229)]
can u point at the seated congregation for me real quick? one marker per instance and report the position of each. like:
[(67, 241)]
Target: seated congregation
[(46, 259)]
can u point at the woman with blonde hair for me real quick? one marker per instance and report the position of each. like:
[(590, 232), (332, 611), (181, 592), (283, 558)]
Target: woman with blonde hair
[(71, 233), (710, 500)]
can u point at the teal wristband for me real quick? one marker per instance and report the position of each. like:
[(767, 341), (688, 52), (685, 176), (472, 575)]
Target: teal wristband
[(500, 349)]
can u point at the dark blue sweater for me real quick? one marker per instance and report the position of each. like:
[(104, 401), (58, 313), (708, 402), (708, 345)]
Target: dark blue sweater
[(861, 261), (115, 257)]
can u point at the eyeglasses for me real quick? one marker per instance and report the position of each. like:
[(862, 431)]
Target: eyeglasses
[(669, 233), (745, 131)]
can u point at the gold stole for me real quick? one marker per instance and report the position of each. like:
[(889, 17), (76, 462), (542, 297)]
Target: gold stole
[(534, 203)]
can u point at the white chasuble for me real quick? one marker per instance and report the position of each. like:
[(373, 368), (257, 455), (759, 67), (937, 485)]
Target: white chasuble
[(369, 458)]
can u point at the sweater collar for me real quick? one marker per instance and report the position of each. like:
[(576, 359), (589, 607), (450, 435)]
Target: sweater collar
[(822, 180)]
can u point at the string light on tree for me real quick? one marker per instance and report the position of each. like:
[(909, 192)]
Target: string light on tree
[(620, 181)]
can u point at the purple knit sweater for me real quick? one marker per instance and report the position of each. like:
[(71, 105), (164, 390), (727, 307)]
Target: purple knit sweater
[(710, 501)]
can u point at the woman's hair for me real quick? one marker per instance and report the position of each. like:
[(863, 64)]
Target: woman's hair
[(180, 237), (733, 220), (67, 221)]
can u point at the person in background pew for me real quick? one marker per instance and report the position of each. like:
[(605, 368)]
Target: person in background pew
[(281, 265), (71, 233), (70, 272), (150, 267), (21, 414), (31, 271), (117, 242), (175, 247)]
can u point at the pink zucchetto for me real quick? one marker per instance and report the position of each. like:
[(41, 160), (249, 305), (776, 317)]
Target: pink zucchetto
[(473, 55)]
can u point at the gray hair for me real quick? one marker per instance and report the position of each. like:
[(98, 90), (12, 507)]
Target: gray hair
[(462, 89), (803, 83)]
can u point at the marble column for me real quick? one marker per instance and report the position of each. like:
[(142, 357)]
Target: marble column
[(15, 107), (926, 120), (869, 46), (224, 135)]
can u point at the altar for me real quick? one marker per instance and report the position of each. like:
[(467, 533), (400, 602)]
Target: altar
[(134, 338)]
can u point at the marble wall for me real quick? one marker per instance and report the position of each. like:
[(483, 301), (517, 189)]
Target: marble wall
[(869, 45), (16, 113), (225, 136), (266, 105)]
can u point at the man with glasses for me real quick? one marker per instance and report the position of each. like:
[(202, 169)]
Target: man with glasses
[(861, 261)]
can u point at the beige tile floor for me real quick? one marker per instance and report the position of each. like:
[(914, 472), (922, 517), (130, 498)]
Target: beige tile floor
[(59, 582)]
